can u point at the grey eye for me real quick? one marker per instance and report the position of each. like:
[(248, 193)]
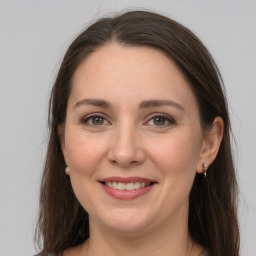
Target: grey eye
[(97, 120), (159, 120)]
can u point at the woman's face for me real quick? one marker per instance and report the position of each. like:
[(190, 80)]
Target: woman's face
[(132, 138)]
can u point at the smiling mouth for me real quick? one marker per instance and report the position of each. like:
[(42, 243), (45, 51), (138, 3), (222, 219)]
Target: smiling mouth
[(127, 186)]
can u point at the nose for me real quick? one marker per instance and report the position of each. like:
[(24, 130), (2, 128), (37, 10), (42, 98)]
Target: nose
[(126, 148)]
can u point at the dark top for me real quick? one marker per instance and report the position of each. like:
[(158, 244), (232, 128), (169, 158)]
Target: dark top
[(205, 252)]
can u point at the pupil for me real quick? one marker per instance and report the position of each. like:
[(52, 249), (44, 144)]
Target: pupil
[(97, 120), (159, 121)]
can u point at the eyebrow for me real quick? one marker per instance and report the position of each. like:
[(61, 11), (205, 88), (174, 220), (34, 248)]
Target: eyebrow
[(94, 102), (143, 104), (159, 103)]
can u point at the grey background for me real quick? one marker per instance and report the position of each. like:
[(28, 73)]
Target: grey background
[(33, 38)]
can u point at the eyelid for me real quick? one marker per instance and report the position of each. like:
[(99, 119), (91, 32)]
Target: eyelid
[(97, 114), (171, 120), (167, 117)]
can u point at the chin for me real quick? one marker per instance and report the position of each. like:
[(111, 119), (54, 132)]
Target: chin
[(127, 221)]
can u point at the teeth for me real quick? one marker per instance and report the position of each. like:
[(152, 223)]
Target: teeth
[(127, 186), (114, 185), (136, 185), (120, 186)]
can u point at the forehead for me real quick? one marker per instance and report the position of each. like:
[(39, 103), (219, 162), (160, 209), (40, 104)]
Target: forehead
[(115, 70), (127, 59)]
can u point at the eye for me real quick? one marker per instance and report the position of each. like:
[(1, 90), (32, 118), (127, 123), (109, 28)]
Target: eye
[(161, 120), (95, 120)]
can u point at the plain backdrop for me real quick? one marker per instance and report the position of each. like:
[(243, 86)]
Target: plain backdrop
[(33, 38)]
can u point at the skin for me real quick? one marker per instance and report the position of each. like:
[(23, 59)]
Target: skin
[(128, 140)]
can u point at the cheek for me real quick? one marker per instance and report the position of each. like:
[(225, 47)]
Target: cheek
[(177, 155), (84, 153)]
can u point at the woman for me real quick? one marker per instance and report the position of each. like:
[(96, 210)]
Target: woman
[(139, 159)]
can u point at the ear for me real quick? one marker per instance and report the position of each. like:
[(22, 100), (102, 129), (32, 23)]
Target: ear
[(211, 143)]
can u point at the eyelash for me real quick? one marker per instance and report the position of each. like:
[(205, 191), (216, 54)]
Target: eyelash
[(153, 116), (94, 115), (167, 118)]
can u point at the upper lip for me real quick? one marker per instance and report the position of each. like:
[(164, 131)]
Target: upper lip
[(126, 179)]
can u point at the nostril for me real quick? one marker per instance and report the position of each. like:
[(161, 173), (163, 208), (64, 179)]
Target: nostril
[(126, 155)]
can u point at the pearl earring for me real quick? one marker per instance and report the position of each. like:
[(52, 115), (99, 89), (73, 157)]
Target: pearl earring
[(205, 167), (67, 169)]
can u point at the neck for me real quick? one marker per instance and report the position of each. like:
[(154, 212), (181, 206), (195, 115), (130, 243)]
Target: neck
[(167, 240)]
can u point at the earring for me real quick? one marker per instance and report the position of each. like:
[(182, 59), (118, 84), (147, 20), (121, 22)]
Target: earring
[(205, 167), (66, 169)]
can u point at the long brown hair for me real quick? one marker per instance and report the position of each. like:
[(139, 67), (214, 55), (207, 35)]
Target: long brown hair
[(212, 220)]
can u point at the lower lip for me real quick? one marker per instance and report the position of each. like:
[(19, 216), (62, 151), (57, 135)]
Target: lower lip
[(127, 194)]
